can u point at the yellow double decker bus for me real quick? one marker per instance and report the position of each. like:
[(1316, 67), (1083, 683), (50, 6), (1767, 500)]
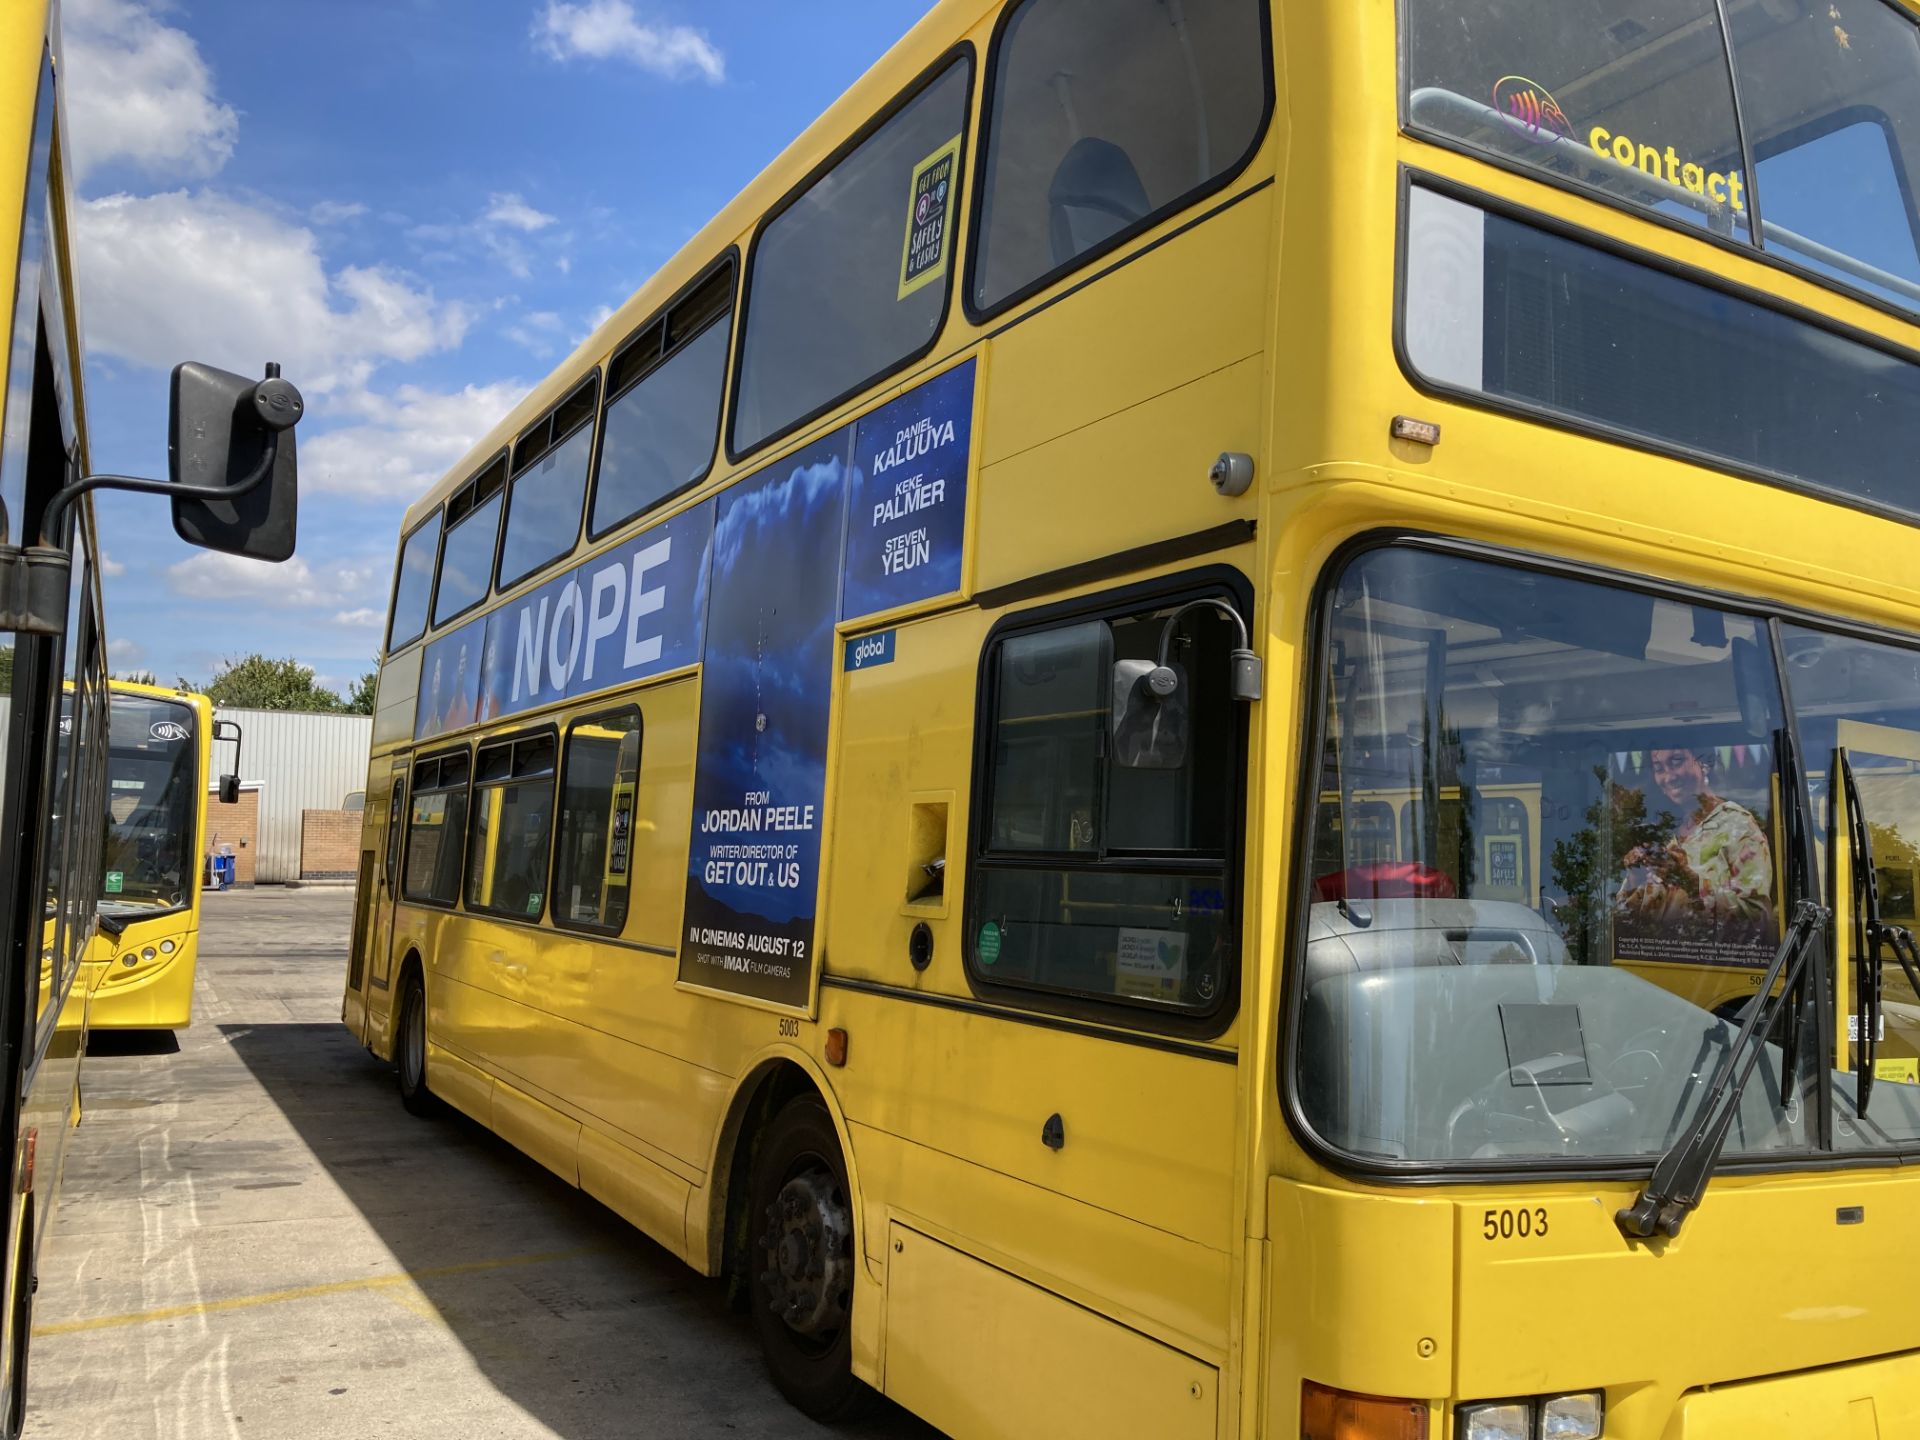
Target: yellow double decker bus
[(1185, 735), (141, 965)]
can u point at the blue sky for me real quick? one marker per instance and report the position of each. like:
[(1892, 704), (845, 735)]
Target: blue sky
[(419, 207)]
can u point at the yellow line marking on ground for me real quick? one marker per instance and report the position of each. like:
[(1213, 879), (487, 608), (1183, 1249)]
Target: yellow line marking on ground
[(308, 1292)]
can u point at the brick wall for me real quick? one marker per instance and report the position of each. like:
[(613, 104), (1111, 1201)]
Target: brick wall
[(330, 844), (237, 825)]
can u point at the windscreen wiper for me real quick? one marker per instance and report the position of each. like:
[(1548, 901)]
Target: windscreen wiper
[(1871, 935), (1680, 1178)]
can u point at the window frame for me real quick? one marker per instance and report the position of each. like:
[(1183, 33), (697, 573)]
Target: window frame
[(729, 260), (633, 708), (500, 457), (1126, 1018), (1727, 244), (960, 52), (518, 469), (438, 513), (401, 894), (977, 184), (398, 818), (1833, 123), (1647, 259), (514, 738)]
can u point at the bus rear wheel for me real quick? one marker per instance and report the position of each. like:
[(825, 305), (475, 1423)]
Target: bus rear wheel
[(412, 1049), (802, 1262)]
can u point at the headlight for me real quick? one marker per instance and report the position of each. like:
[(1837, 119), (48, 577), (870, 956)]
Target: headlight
[(1543, 1417), (1572, 1417), (148, 953), (166, 947), (1505, 1420)]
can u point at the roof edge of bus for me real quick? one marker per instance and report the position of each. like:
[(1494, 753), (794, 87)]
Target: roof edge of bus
[(930, 38)]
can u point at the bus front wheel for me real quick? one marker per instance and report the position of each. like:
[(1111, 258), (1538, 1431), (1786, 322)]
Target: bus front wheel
[(802, 1262), (413, 1049)]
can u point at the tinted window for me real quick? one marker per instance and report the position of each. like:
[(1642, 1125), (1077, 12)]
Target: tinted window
[(1628, 96), (595, 850), (543, 518), (1831, 97), (660, 433), (840, 292), (512, 822), (1513, 312), (1103, 115), (466, 563), (436, 826), (414, 584), (1102, 869)]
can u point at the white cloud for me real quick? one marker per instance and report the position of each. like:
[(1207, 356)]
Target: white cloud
[(201, 276), (403, 442), (138, 92), (111, 567), (609, 30), (514, 213), (361, 619), (538, 332), (335, 212), (601, 314), (124, 655), (291, 584)]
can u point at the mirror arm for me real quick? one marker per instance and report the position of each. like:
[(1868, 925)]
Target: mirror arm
[(64, 497), (1246, 665)]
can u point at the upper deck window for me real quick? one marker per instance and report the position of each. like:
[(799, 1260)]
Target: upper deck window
[(1635, 98), (850, 280), (664, 417), (414, 583), (1537, 321), (473, 530), (550, 463), (1103, 118)]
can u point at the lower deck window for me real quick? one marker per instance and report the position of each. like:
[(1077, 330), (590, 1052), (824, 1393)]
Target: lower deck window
[(595, 850), (512, 824), (436, 828), (1103, 866)]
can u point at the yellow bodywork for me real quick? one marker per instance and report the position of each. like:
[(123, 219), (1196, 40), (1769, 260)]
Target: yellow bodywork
[(1183, 1264)]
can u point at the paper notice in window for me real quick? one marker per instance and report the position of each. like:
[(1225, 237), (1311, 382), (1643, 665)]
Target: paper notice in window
[(1151, 964), (930, 205)]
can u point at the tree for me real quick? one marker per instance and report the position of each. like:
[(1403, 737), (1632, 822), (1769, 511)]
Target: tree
[(254, 682), (360, 698), (139, 677)]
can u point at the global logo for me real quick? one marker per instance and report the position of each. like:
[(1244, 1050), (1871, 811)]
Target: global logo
[(167, 730), (1530, 110)]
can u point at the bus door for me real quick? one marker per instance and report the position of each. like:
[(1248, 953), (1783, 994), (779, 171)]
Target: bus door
[(386, 894), (1885, 764)]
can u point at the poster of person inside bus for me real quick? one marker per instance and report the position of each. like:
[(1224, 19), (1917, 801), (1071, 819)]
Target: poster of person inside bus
[(760, 784), (1692, 832)]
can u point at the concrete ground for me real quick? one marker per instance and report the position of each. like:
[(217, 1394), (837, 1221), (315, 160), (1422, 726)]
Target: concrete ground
[(255, 1240)]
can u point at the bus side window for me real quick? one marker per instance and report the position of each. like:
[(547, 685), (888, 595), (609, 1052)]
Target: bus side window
[(394, 812), (1101, 119), (511, 824), (593, 856), (549, 486), (658, 433), (838, 297), (436, 826), (1094, 877)]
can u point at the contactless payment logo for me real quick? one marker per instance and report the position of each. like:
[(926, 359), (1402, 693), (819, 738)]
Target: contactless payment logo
[(1529, 109)]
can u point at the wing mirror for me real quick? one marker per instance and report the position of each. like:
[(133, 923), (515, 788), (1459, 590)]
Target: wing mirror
[(230, 452), (229, 784), (1150, 719)]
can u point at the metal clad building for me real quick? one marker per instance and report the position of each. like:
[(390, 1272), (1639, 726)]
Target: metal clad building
[(301, 762)]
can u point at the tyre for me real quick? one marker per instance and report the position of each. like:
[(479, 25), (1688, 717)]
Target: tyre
[(802, 1262), (410, 1049)]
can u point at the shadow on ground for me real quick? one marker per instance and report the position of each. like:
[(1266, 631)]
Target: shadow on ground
[(605, 1334), (132, 1042)]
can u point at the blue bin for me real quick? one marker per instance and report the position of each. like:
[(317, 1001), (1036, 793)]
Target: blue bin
[(223, 872)]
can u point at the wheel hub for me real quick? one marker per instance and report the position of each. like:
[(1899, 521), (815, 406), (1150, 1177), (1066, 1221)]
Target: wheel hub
[(808, 1247)]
